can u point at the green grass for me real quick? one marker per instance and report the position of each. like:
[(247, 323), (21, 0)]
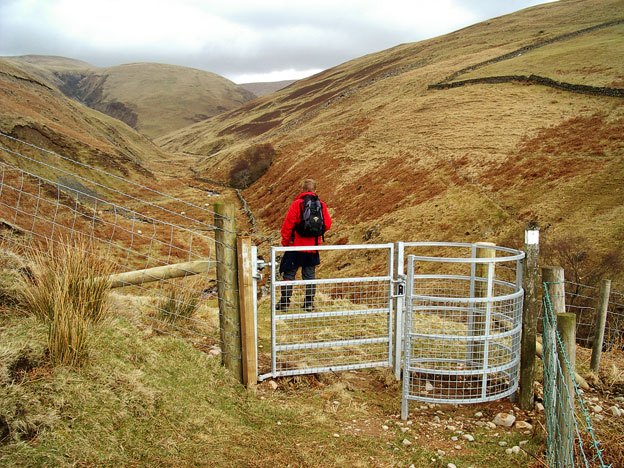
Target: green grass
[(146, 400), (156, 402)]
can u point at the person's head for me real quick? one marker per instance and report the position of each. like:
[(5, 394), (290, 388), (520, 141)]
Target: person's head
[(309, 185)]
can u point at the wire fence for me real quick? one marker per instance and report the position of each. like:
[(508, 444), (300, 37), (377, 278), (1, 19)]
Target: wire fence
[(582, 300), (570, 438), (48, 198)]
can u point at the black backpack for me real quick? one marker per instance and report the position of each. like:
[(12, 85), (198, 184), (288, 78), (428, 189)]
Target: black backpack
[(312, 223)]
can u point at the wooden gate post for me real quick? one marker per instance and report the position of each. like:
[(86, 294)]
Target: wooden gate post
[(601, 321), (248, 328), (484, 271), (227, 287), (530, 312)]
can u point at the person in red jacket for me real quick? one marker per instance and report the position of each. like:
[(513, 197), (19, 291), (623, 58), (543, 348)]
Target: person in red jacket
[(292, 235)]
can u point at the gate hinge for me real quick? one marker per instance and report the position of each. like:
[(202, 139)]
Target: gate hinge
[(260, 265)]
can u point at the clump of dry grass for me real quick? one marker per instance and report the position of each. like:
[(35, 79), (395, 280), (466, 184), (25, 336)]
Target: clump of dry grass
[(67, 290), (10, 266), (179, 304)]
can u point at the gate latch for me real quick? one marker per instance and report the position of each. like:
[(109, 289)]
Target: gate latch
[(400, 286)]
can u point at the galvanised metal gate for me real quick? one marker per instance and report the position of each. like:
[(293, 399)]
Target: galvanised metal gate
[(463, 320), (347, 325)]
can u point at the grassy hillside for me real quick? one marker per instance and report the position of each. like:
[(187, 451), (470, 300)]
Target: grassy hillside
[(473, 162), (152, 98), (146, 399), (35, 112)]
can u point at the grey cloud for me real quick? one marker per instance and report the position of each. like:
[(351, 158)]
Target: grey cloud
[(286, 38)]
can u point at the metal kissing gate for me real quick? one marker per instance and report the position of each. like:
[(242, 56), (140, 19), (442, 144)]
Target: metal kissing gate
[(463, 324), (332, 324), (455, 318)]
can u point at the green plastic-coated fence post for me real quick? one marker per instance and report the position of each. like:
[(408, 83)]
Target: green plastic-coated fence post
[(227, 287)]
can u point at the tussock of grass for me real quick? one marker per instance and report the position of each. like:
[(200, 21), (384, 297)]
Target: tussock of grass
[(10, 266), (179, 304), (68, 291)]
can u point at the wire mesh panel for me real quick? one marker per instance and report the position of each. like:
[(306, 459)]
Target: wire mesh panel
[(45, 201), (462, 331), (582, 301), (331, 324)]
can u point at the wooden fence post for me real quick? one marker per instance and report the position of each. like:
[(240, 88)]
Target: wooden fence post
[(248, 328), (530, 313), (227, 287), (562, 433), (601, 321), (177, 270), (556, 292)]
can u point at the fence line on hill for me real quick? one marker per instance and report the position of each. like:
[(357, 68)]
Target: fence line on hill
[(583, 301), (570, 437), (45, 200)]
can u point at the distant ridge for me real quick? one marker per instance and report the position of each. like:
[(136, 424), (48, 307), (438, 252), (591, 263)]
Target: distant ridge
[(66, 127), (262, 89), (152, 98)]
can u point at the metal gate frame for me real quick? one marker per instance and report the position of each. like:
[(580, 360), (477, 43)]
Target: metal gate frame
[(387, 309), (489, 300)]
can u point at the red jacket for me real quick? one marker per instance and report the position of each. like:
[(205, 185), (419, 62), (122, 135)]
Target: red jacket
[(293, 217)]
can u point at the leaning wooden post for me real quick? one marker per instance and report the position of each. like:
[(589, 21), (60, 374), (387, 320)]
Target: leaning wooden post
[(248, 328), (601, 321), (530, 312), (553, 277), (227, 287), (566, 326)]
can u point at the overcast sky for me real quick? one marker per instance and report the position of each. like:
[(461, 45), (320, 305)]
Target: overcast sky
[(243, 40)]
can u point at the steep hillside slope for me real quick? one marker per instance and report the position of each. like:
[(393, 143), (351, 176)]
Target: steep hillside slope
[(262, 89), (400, 160), (32, 111), (152, 98)]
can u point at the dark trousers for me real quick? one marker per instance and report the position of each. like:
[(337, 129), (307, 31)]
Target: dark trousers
[(307, 273)]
